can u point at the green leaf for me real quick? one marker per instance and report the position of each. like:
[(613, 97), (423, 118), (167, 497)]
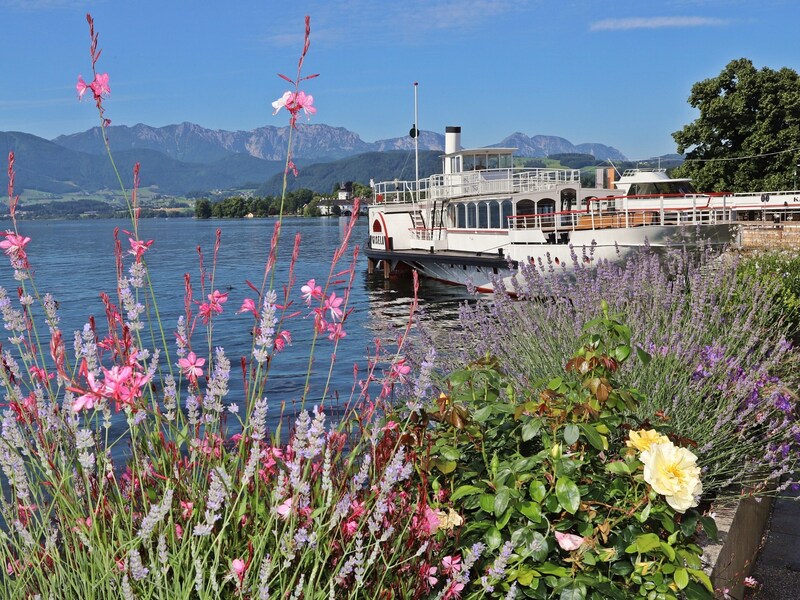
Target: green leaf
[(577, 592), (532, 510), (643, 356), (689, 524), (668, 551), (531, 429), (537, 491), (482, 414), (449, 453), (445, 466), (487, 502), (591, 434), (681, 577), (501, 500), (502, 520), (493, 537), (618, 467), (710, 527), (554, 383), (538, 548), (571, 434), (549, 568), (643, 516), (700, 576), (525, 576), (622, 352), (465, 490), (568, 495), (643, 543)]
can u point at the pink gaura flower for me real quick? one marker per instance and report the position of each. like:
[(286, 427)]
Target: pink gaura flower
[(238, 567), (285, 509), (192, 366), (349, 528), (99, 86), (248, 305), (568, 542), (400, 369), (90, 397), (40, 374), (283, 339), (311, 291), (454, 591), (213, 306), (430, 577), (14, 246), (186, 509), (138, 248), (333, 303), (336, 331), (430, 521), (294, 102), (451, 564), (81, 86)]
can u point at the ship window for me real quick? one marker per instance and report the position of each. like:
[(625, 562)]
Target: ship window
[(493, 161), (483, 216), (546, 206), (494, 215), (469, 163), (471, 215), (461, 216), (526, 207), (507, 210), (568, 197), (506, 161)]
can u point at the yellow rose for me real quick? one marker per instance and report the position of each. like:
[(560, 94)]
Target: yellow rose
[(643, 439), (673, 472)]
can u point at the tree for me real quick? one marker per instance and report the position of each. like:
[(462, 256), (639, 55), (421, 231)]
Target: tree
[(202, 208), (747, 136)]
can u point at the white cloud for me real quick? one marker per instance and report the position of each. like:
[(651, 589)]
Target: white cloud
[(656, 23)]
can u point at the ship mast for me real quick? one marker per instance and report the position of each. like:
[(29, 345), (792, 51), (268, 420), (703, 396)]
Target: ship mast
[(416, 141)]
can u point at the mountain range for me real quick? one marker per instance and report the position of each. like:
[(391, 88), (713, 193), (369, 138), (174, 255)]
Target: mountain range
[(184, 158)]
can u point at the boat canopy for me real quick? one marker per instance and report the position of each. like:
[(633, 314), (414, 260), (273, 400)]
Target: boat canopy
[(478, 159)]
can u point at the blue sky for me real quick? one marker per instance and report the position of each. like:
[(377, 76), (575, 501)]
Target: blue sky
[(617, 72)]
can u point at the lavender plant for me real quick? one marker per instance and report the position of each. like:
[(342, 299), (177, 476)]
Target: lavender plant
[(723, 373)]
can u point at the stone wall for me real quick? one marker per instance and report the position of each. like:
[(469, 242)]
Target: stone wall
[(776, 236)]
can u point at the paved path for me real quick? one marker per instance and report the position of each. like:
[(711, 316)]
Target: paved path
[(777, 567)]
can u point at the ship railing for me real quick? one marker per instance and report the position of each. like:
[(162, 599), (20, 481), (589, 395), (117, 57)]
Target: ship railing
[(613, 217), (400, 191), (474, 183), (427, 235)]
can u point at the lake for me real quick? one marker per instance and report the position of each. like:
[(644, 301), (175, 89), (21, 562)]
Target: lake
[(74, 261)]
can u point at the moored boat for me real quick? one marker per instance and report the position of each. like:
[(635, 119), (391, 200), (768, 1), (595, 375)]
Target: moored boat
[(481, 217)]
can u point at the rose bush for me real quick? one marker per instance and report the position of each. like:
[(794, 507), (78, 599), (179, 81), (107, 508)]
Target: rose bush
[(564, 492)]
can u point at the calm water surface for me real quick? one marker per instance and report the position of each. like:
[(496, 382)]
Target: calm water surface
[(74, 261)]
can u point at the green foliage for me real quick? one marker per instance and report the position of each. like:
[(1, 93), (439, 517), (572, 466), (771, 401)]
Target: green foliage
[(574, 160), (238, 207), (778, 272), (202, 208), (744, 113), (524, 468)]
